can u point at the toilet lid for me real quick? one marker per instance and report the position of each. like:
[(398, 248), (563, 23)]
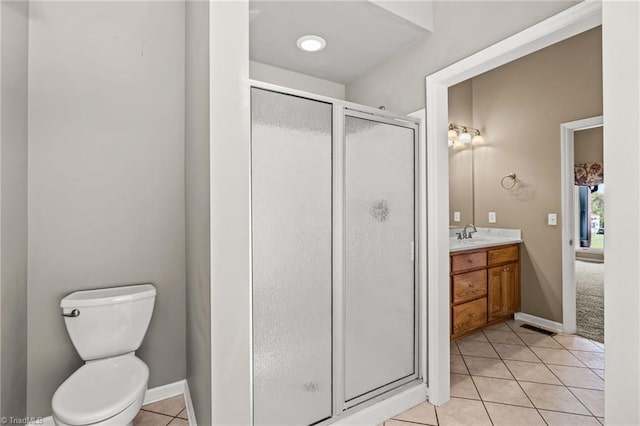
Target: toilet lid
[(100, 389)]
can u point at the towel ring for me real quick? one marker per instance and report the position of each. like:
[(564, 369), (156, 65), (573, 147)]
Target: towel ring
[(511, 176)]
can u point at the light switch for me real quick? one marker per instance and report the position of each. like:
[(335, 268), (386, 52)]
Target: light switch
[(553, 219), (492, 217), (456, 216)]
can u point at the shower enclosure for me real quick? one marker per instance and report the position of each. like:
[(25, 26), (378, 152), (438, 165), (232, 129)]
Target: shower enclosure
[(334, 276)]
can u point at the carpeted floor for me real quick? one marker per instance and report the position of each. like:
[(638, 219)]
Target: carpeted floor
[(590, 300)]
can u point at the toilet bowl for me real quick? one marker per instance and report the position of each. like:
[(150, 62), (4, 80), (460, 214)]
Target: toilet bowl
[(106, 326)]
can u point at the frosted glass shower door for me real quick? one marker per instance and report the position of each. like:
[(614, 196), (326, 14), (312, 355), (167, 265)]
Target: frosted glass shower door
[(380, 292), (291, 249)]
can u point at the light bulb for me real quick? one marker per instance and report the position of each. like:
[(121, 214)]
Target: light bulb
[(450, 143), (477, 139), (465, 136), (452, 134), (458, 145)]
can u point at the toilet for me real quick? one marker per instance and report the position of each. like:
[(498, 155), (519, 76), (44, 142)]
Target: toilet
[(106, 327)]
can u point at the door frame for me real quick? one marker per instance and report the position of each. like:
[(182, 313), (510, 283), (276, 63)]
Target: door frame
[(575, 20), (568, 215)]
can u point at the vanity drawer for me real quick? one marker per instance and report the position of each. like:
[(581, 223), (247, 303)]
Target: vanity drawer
[(469, 286), (462, 262), (469, 315), (503, 254)]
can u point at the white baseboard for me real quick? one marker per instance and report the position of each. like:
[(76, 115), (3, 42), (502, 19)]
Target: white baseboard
[(152, 395), (191, 413), (384, 410), (539, 322), (165, 391)]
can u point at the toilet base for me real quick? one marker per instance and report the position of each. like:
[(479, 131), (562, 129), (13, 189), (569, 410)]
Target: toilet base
[(123, 418)]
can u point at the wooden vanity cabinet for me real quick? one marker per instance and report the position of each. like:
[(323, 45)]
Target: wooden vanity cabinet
[(485, 287)]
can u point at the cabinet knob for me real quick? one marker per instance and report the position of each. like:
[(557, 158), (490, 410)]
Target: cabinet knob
[(469, 261)]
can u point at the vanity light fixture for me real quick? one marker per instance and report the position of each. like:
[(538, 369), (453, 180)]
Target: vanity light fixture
[(477, 139), (452, 135), (459, 136), (311, 43), (465, 136)]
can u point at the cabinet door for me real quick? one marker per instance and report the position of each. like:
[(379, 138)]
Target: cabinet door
[(503, 291), (496, 293), (511, 287)]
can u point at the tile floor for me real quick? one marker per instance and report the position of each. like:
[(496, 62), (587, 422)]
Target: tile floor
[(169, 411), (509, 375)]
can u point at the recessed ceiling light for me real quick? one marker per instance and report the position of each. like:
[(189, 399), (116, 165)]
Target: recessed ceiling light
[(311, 43)]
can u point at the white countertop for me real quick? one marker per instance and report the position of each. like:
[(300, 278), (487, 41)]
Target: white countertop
[(485, 237)]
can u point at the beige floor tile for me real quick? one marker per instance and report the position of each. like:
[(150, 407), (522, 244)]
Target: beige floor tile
[(454, 349), (592, 399), (501, 326), (515, 352), (591, 359), (400, 423), (550, 397), (599, 372), (578, 377), (532, 372), (183, 414), (179, 422), (539, 340), (577, 343), (554, 418), (500, 390), (478, 336), (462, 387), (147, 418), (477, 349), (488, 367), (424, 413), (557, 357), (457, 365), (170, 406), (509, 415), (505, 337), (462, 412)]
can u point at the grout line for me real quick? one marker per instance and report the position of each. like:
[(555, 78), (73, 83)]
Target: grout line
[(580, 401), (525, 381), (413, 422), (476, 387), (518, 382)]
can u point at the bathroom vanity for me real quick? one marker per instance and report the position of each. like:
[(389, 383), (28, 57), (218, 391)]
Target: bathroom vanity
[(484, 280)]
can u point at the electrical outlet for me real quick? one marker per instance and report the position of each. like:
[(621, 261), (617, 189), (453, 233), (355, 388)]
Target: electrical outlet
[(552, 219), (492, 217), (456, 216)]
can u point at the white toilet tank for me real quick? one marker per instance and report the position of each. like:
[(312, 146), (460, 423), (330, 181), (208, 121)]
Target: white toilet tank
[(110, 321)]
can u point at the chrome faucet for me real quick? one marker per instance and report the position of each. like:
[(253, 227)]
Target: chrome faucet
[(467, 235)]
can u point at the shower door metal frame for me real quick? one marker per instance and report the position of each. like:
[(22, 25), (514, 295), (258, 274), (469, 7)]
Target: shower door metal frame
[(339, 240), (340, 110)]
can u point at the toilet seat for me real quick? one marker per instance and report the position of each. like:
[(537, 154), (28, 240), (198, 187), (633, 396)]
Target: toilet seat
[(100, 390)]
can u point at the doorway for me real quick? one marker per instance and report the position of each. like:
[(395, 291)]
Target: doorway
[(583, 228)]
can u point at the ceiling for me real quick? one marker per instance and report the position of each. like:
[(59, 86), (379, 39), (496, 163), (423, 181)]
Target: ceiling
[(359, 35)]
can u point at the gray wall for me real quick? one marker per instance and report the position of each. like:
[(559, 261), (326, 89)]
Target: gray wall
[(106, 175), (13, 204), (295, 80), (461, 28), (197, 210)]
